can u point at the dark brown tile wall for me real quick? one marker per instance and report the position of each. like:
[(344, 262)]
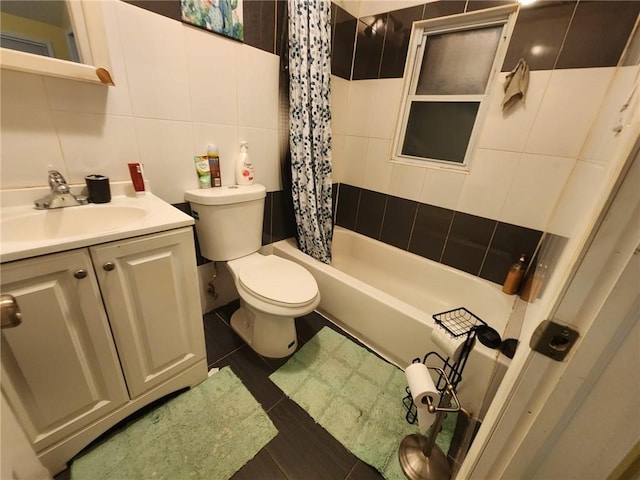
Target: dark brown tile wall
[(343, 41), (263, 19), (396, 43), (566, 34), (371, 32), (260, 25), (481, 246), (598, 33), (369, 218), (542, 25)]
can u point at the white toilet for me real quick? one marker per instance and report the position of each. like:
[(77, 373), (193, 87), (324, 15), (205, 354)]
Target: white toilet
[(273, 290)]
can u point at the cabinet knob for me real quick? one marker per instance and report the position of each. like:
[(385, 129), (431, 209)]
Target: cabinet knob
[(11, 316), (80, 273), (108, 266)]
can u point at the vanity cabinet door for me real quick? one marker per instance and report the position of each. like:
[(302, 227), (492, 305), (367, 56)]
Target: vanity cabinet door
[(151, 292), (60, 370)]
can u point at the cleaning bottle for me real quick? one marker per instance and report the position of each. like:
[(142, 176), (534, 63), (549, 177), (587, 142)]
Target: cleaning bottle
[(514, 277), (244, 168), (214, 165)]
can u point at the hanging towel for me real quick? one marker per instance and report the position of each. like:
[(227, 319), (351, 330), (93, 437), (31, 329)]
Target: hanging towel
[(515, 86)]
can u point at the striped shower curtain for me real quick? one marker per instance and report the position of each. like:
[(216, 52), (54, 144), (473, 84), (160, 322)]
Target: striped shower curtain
[(310, 124)]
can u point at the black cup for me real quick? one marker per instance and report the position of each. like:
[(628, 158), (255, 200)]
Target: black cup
[(98, 188)]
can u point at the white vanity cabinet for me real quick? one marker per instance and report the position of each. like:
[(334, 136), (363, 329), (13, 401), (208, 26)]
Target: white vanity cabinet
[(105, 330), (149, 289)]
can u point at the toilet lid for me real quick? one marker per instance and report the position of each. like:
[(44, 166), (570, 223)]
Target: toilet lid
[(279, 280)]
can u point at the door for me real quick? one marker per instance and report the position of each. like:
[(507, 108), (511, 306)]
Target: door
[(579, 418), (60, 370), (151, 292)]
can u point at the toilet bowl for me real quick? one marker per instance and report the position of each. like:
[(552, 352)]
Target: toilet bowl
[(273, 291)]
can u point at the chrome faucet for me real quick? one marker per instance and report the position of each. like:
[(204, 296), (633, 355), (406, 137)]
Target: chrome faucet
[(60, 195)]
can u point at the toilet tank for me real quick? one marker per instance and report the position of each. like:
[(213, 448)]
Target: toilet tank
[(228, 219)]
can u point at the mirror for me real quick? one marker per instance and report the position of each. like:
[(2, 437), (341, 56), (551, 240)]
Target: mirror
[(59, 38)]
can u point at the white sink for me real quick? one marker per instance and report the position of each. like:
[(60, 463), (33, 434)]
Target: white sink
[(68, 222), (27, 232)]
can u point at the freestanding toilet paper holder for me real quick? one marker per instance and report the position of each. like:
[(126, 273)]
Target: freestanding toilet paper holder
[(420, 457)]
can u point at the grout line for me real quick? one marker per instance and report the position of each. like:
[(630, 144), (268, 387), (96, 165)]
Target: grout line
[(486, 252), (446, 237)]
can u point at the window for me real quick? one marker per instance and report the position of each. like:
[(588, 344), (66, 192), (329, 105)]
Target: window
[(451, 64)]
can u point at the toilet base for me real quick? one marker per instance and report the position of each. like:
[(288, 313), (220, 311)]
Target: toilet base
[(268, 335)]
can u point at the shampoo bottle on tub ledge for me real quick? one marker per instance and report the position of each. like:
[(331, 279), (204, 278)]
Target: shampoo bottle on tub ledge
[(244, 168)]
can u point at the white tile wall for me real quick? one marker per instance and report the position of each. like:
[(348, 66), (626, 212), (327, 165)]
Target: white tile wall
[(177, 89), (377, 170), (509, 130), (406, 181), (568, 109), (442, 187), (537, 185), (485, 188), (155, 56), (523, 159), (161, 145), (212, 77), (353, 160), (93, 143)]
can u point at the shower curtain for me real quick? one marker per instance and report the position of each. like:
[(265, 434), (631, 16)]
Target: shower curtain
[(310, 124)]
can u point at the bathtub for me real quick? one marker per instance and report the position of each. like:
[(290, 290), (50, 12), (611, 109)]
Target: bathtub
[(386, 297)]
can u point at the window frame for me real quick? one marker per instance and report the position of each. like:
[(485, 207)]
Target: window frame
[(505, 16)]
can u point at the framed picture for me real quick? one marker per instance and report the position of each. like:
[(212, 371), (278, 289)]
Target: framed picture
[(218, 16)]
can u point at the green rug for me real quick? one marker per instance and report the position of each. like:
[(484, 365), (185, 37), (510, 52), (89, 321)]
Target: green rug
[(209, 432), (356, 397)]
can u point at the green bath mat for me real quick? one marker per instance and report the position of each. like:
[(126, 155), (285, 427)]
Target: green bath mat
[(356, 397), (208, 432)]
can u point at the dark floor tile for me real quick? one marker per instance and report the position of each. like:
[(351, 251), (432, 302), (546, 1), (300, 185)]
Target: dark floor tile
[(261, 467), (309, 325), (396, 41), (398, 221), (468, 242), (371, 31), (370, 213), (254, 372), (226, 311), (220, 340), (540, 28), (303, 449), (362, 471)]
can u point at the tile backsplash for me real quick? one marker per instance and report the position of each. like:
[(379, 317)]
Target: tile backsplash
[(548, 34), (480, 246)]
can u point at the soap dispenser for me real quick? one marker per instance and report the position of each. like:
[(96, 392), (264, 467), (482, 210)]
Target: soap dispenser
[(514, 277), (244, 168)]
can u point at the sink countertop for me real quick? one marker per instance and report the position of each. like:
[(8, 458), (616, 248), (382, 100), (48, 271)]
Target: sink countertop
[(158, 216)]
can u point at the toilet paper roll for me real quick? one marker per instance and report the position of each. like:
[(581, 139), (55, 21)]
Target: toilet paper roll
[(450, 346), (421, 386)]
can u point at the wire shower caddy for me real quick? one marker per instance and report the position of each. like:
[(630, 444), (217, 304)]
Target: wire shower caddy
[(458, 323)]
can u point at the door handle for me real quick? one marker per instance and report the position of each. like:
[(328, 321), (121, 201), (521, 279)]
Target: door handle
[(10, 313)]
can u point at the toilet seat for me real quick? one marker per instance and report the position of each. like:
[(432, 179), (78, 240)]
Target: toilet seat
[(278, 281)]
